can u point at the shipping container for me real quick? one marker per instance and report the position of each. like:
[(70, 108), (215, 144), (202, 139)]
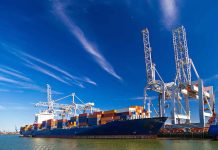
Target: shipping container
[(128, 109), (109, 115), (98, 112), (110, 111), (94, 115), (44, 124), (82, 115), (93, 121)]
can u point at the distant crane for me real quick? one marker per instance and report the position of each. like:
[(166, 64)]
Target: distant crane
[(64, 110)]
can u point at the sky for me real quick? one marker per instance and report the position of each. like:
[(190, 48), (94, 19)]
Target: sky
[(94, 48)]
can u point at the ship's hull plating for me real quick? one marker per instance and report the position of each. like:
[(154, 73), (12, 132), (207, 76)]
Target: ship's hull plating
[(136, 127)]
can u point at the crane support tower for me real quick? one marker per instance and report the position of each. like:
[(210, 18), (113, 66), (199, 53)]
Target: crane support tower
[(183, 89)]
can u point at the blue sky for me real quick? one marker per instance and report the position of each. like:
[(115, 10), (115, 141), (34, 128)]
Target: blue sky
[(94, 48)]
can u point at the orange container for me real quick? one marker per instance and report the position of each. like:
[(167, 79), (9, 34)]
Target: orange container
[(110, 111), (95, 116), (116, 118)]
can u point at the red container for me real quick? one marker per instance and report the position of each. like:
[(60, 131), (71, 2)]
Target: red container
[(98, 113), (83, 115), (108, 115)]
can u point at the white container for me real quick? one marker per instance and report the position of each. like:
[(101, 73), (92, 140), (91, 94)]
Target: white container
[(126, 110)]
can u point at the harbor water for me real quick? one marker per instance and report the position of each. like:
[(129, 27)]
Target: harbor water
[(14, 142)]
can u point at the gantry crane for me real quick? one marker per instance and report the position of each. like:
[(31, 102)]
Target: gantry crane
[(153, 84), (64, 110), (186, 88), (179, 92)]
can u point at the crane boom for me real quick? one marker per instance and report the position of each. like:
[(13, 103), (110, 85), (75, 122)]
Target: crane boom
[(150, 67), (182, 60)]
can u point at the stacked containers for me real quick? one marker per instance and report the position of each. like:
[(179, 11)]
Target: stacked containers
[(138, 111), (73, 121), (108, 116), (51, 123), (36, 126), (43, 124), (62, 123), (29, 127), (94, 119), (83, 119), (125, 113)]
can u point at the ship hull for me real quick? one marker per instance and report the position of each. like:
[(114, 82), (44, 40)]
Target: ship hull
[(137, 128)]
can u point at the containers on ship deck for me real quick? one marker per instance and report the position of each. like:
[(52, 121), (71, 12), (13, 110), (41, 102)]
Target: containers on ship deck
[(105, 120), (51, 123), (44, 124), (75, 118), (62, 123), (83, 118), (110, 111), (71, 123), (94, 119), (36, 126)]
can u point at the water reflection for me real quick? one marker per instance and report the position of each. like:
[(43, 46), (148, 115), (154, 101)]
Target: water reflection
[(17, 143)]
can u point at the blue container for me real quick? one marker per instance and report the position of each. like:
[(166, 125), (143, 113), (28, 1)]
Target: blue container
[(82, 119), (93, 121), (43, 124), (60, 125), (124, 117)]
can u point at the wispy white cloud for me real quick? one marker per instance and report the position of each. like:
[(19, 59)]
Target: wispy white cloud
[(46, 72), (7, 90), (24, 85), (15, 74), (170, 12), (58, 69), (142, 98), (78, 33), (29, 62)]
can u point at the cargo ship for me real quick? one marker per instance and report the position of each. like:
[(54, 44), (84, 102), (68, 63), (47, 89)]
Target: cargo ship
[(131, 122)]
